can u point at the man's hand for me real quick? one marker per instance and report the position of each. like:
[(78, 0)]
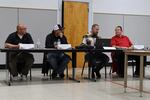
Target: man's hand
[(61, 35), (8, 45), (131, 47)]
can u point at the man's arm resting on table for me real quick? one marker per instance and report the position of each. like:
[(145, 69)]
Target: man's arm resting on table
[(9, 45), (119, 47)]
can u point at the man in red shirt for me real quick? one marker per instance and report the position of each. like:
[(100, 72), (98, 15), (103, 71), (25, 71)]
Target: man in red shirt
[(121, 41)]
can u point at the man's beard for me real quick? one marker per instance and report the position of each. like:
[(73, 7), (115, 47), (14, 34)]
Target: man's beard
[(94, 35)]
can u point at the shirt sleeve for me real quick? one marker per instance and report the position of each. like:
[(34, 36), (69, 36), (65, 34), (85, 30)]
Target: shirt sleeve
[(84, 41), (48, 42), (64, 40), (130, 43), (9, 39), (113, 42), (30, 40)]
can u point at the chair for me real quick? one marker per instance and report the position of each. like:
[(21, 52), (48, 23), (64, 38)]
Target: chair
[(114, 66), (129, 61), (47, 68), (133, 65), (21, 63), (106, 43), (89, 69)]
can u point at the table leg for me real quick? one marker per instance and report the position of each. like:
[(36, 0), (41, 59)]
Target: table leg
[(141, 75), (90, 72), (125, 72), (74, 67), (7, 70)]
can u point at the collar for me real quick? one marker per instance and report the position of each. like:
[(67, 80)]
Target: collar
[(120, 36)]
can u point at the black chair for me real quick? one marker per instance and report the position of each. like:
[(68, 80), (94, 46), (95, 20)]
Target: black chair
[(133, 65), (89, 69), (106, 43), (47, 68), (132, 62), (19, 65)]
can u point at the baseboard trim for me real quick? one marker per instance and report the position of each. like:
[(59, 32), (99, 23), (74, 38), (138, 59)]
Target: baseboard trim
[(2, 66)]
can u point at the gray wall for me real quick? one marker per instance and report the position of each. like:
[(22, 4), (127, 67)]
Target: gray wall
[(39, 23), (107, 23), (8, 22), (137, 28)]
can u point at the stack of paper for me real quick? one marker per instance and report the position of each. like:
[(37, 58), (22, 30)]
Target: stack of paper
[(138, 47), (109, 48), (26, 46), (64, 46)]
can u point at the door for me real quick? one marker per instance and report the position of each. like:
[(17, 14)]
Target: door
[(75, 21)]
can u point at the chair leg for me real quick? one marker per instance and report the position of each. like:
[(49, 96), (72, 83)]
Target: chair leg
[(50, 74), (132, 68), (144, 72), (83, 68), (89, 72), (110, 70), (10, 78), (67, 72), (30, 75), (105, 72)]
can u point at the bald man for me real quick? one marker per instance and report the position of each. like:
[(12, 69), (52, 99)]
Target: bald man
[(12, 42)]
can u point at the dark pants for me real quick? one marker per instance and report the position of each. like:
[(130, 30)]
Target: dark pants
[(15, 58), (97, 60), (119, 56), (58, 61)]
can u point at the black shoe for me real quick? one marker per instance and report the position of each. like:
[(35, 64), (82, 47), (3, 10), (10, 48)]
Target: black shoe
[(54, 75), (136, 75), (121, 75), (93, 75), (98, 75), (62, 76)]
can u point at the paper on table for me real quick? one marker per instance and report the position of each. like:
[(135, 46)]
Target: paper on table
[(109, 48), (64, 46), (26, 46), (139, 47)]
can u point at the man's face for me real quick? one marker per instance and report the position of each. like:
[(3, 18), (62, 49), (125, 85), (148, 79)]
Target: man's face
[(95, 30), (57, 33), (118, 31), (21, 30)]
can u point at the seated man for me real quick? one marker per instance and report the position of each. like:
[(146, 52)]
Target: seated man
[(93, 39), (13, 40), (121, 41), (58, 60)]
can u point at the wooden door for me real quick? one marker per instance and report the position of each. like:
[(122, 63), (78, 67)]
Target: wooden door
[(75, 21)]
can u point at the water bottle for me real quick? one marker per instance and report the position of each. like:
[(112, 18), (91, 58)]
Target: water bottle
[(38, 43), (58, 42)]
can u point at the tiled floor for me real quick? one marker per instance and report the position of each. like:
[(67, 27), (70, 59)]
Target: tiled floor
[(109, 89)]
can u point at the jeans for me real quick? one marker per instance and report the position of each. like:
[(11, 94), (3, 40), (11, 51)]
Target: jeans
[(58, 61)]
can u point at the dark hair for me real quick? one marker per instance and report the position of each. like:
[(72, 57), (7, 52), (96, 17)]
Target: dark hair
[(94, 25), (120, 27)]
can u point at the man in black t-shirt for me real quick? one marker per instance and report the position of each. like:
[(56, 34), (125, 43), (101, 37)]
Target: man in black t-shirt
[(12, 42)]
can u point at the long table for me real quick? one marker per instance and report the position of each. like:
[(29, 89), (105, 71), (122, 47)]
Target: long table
[(46, 50), (140, 53)]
